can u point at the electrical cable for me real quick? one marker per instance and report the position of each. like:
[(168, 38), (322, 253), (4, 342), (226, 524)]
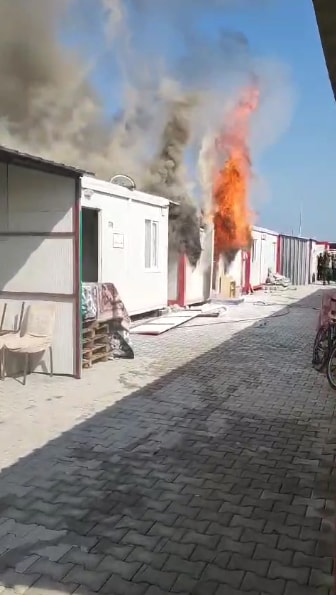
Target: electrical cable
[(283, 312), (256, 319)]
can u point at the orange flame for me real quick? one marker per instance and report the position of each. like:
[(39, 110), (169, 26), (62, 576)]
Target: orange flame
[(232, 216)]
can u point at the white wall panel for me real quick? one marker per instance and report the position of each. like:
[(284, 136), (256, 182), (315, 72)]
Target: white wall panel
[(37, 265), (38, 221), (234, 269), (39, 201), (263, 255), (198, 278), (173, 267), (3, 198)]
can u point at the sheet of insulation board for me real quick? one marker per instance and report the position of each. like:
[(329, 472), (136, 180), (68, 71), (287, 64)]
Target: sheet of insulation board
[(160, 325)]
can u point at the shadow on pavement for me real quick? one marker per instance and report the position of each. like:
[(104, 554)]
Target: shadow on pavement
[(215, 479)]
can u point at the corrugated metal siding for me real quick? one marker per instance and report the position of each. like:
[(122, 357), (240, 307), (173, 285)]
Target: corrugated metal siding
[(295, 259)]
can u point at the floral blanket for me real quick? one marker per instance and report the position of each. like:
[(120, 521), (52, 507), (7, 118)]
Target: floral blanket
[(102, 302)]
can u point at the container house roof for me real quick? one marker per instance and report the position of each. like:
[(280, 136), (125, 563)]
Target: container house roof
[(18, 158)]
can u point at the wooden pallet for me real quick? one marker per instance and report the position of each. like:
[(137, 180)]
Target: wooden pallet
[(95, 343)]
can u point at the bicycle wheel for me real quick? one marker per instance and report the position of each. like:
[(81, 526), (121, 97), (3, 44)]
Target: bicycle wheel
[(331, 368), (321, 349)]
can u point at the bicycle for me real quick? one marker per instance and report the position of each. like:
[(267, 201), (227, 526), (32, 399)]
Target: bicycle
[(323, 346), (331, 367), (325, 343)]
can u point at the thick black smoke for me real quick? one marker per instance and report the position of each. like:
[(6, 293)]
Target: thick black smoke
[(167, 177)]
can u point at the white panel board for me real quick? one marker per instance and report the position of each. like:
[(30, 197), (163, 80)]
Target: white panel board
[(39, 201), (198, 278), (38, 221), (37, 265), (3, 198), (160, 325)]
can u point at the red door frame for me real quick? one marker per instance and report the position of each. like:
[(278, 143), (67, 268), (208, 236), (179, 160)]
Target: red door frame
[(181, 290), (181, 283), (246, 258)]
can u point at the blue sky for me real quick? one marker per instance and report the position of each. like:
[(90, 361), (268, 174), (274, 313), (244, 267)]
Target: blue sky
[(299, 170)]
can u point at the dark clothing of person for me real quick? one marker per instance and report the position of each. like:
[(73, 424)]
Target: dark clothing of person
[(326, 270), (333, 267), (319, 267)]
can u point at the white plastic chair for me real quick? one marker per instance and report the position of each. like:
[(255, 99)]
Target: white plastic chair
[(36, 337)]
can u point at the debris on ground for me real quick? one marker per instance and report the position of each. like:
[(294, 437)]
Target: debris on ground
[(276, 280)]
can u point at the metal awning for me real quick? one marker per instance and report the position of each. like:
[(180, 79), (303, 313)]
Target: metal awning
[(325, 11)]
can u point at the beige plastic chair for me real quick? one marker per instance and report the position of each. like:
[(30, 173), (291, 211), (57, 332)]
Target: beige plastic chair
[(36, 337), (5, 333)]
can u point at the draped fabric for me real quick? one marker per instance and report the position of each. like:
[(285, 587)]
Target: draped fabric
[(102, 302)]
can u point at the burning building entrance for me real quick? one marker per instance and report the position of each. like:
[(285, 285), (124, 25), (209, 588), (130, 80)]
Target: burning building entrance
[(232, 173)]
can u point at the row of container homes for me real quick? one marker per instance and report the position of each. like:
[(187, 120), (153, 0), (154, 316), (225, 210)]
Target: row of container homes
[(271, 252), (60, 226)]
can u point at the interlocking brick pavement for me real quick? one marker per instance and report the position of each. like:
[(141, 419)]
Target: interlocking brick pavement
[(204, 467)]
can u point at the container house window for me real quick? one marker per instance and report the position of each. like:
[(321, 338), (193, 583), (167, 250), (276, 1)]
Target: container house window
[(254, 250), (151, 244)]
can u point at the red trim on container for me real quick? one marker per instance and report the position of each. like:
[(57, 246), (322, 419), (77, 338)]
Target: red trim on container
[(278, 256), (247, 264), (181, 283), (77, 281)]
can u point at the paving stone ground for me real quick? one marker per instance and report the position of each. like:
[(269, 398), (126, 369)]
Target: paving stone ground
[(204, 467)]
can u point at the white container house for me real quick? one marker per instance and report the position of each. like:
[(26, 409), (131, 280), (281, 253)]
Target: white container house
[(248, 268), (188, 285), (263, 256), (125, 242)]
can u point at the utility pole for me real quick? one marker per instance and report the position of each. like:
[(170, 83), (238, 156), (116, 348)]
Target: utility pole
[(300, 222)]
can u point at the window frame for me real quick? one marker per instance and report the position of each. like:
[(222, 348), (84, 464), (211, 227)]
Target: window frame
[(254, 250), (153, 252)]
